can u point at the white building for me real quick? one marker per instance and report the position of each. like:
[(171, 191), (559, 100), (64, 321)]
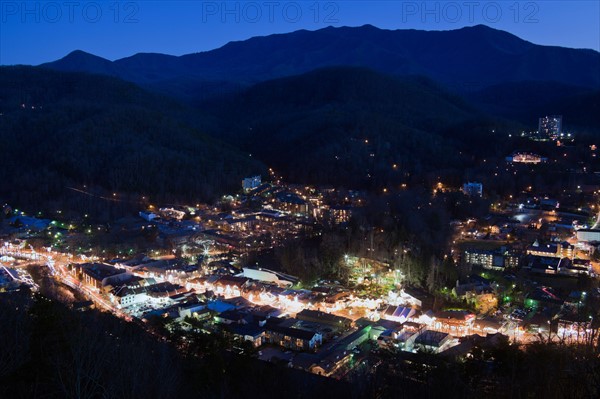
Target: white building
[(473, 189), (250, 183), (588, 235), (265, 275), (130, 297), (148, 216)]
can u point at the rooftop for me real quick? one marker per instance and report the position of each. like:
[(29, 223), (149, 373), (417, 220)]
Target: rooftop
[(431, 338), (100, 271)]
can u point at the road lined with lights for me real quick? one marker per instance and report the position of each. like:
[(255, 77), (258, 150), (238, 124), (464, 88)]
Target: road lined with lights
[(57, 263)]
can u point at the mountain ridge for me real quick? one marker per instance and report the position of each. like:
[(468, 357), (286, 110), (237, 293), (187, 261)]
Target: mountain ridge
[(462, 59)]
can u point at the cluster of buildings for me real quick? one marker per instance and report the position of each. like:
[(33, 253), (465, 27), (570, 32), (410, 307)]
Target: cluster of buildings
[(320, 329), (524, 264), (323, 329), (552, 311), (141, 284), (323, 205), (551, 258), (263, 217)]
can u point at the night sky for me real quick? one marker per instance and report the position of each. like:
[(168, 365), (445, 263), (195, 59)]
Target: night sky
[(37, 32)]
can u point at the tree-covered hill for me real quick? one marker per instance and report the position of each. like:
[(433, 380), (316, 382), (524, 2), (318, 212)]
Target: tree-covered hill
[(527, 101), (70, 129), (350, 126)]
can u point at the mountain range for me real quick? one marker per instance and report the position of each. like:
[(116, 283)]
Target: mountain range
[(463, 60), (357, 107)]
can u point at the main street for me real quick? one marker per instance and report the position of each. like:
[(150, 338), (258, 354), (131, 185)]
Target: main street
[(57, 263)]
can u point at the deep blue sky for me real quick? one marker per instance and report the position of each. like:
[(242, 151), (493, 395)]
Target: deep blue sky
[(37, 32)]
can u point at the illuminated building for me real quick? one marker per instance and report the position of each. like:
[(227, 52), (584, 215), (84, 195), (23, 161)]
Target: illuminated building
[(433, 341), (251, 183), (588, 235), (561, 250), (493, 260), (456, 321), (99, 275), (525, 157), (550, 126), (473, 189), (340, 213), (291, 202), (484, 259), (291, 338)]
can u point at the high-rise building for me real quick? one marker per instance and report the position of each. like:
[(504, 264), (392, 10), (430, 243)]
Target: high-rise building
[(550, 126)]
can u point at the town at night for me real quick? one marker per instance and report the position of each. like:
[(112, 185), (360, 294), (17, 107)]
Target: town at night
[(300, 199)]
